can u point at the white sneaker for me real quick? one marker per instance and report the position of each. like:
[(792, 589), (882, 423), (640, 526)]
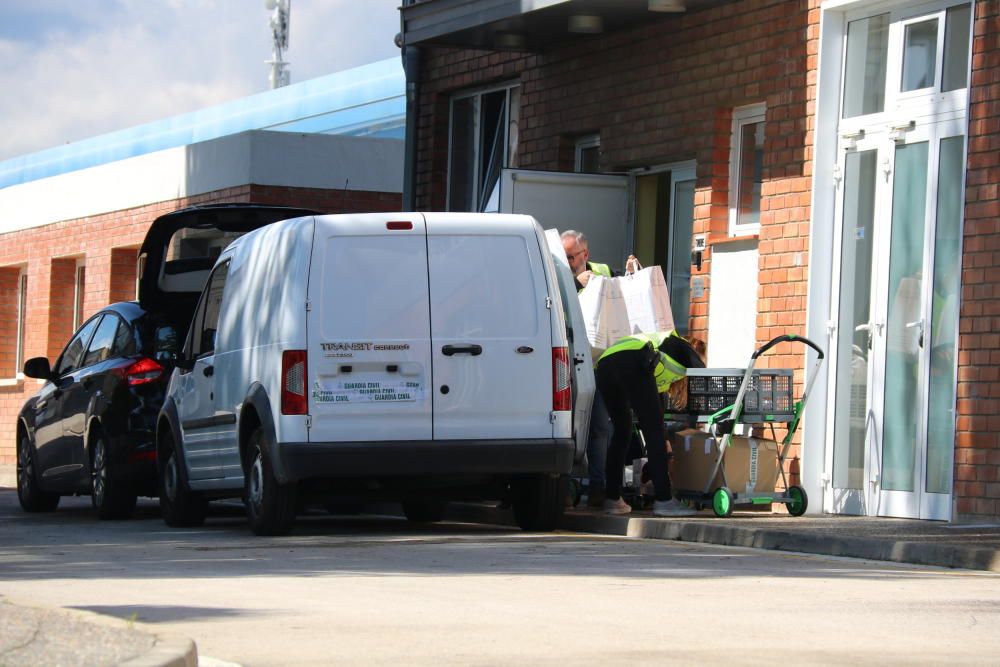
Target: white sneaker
[(617, 506), (671, 508)]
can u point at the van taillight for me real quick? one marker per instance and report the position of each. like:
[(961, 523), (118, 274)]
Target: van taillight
[(562, 398), (143, 371), (293, 382)]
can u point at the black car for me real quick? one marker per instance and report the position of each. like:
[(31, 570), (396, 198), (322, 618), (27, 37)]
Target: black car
[(90, 429)]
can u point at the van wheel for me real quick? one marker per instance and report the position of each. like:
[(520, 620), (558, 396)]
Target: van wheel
[(107, 495), (29, 494), (424, 511), (270, 505), (539, 501), (179, 506)]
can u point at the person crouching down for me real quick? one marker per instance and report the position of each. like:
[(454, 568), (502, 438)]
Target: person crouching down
[(631, 375)]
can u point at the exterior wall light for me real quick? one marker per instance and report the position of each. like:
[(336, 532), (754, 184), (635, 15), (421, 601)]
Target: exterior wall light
[(666, 6), (586, 24)]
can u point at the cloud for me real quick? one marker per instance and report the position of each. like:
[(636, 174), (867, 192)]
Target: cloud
[(79, 69)]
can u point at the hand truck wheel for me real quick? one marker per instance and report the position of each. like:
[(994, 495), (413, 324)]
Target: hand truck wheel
[(722, 502), (799, 501)]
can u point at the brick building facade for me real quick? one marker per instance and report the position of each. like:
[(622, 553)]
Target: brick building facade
[(658, 89)]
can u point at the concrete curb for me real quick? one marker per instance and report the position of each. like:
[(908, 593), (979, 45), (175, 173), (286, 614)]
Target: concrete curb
[(708, 531), (48, 629), (167, 652)]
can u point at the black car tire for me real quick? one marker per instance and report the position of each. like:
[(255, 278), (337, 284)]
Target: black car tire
[(270, 505), (539, 501), (179, 506), (425, 511), (111, 497), (29, 494)]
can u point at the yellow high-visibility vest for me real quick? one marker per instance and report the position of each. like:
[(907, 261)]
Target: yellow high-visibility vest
[(667, 370)]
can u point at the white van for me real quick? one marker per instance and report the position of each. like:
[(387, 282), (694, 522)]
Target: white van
[(418, 357)]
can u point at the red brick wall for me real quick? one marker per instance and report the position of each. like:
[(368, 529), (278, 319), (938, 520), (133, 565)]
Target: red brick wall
[(109, 243), (977, 444), (122, 274), (62, 291)]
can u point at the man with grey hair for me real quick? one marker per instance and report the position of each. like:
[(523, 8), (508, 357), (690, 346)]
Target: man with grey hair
[(578, 253)]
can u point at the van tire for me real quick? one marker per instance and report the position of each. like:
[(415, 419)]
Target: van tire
[(539, 501), (424, 511), (270, 505), (179, 506)]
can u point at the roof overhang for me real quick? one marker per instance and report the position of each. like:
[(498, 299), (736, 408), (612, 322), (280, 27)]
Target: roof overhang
[(529, 25)]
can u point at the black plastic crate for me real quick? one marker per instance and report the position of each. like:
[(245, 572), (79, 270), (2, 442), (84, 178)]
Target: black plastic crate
[(768, 397)]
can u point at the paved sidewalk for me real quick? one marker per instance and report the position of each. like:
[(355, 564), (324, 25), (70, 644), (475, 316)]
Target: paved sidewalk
[(37, 637), (973, 547)]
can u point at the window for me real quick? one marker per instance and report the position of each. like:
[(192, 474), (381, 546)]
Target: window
[(79, 284), (201, 341), (22, 316), (104, 339), (909, 56), (587, 155), (482, 141), (746, 171), (73, 354)]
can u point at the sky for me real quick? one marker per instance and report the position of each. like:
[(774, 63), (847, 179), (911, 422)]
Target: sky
[(74, 69)]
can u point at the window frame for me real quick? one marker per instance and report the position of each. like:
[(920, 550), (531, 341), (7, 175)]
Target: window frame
[(21, 325), (79, 292), (900, 106), (510, 135), (582, 144), (742, 116)]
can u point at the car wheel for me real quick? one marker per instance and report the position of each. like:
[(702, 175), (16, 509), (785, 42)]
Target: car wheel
[(110, 497), (270, 505), (424, 511), (539, 502), (179, 506), (29, 494)]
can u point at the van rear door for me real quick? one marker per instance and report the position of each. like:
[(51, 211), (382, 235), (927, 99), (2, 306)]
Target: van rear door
[(491, 331), (369, 330)]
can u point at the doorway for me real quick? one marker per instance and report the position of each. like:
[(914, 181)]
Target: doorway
[(664, 219), (896, 284)]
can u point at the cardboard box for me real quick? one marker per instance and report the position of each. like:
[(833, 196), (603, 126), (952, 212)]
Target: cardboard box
[(751, 464)]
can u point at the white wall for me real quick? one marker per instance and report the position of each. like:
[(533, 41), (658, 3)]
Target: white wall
[(259, 157)]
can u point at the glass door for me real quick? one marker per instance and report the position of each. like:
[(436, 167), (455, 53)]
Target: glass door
[(915, 461), (898, 248)]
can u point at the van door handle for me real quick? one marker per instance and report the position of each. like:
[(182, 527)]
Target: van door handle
[(209, 371), (474, 350)]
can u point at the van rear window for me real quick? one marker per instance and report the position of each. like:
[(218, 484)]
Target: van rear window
[(483, 285), (374, 288)]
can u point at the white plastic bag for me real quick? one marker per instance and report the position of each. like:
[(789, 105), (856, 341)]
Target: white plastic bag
[(647, 301), (604, 313)]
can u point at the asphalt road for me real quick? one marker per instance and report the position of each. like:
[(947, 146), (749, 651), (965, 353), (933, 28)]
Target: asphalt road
[(377, 590)]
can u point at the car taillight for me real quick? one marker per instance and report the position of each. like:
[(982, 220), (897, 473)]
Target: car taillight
[(293, 382), (143, 371), (562, 397)]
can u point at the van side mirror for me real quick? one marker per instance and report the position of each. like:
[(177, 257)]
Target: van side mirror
[(182, 362), (38, 367)]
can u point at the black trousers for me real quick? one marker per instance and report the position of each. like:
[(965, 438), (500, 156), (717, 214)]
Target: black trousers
[(626, 382)]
